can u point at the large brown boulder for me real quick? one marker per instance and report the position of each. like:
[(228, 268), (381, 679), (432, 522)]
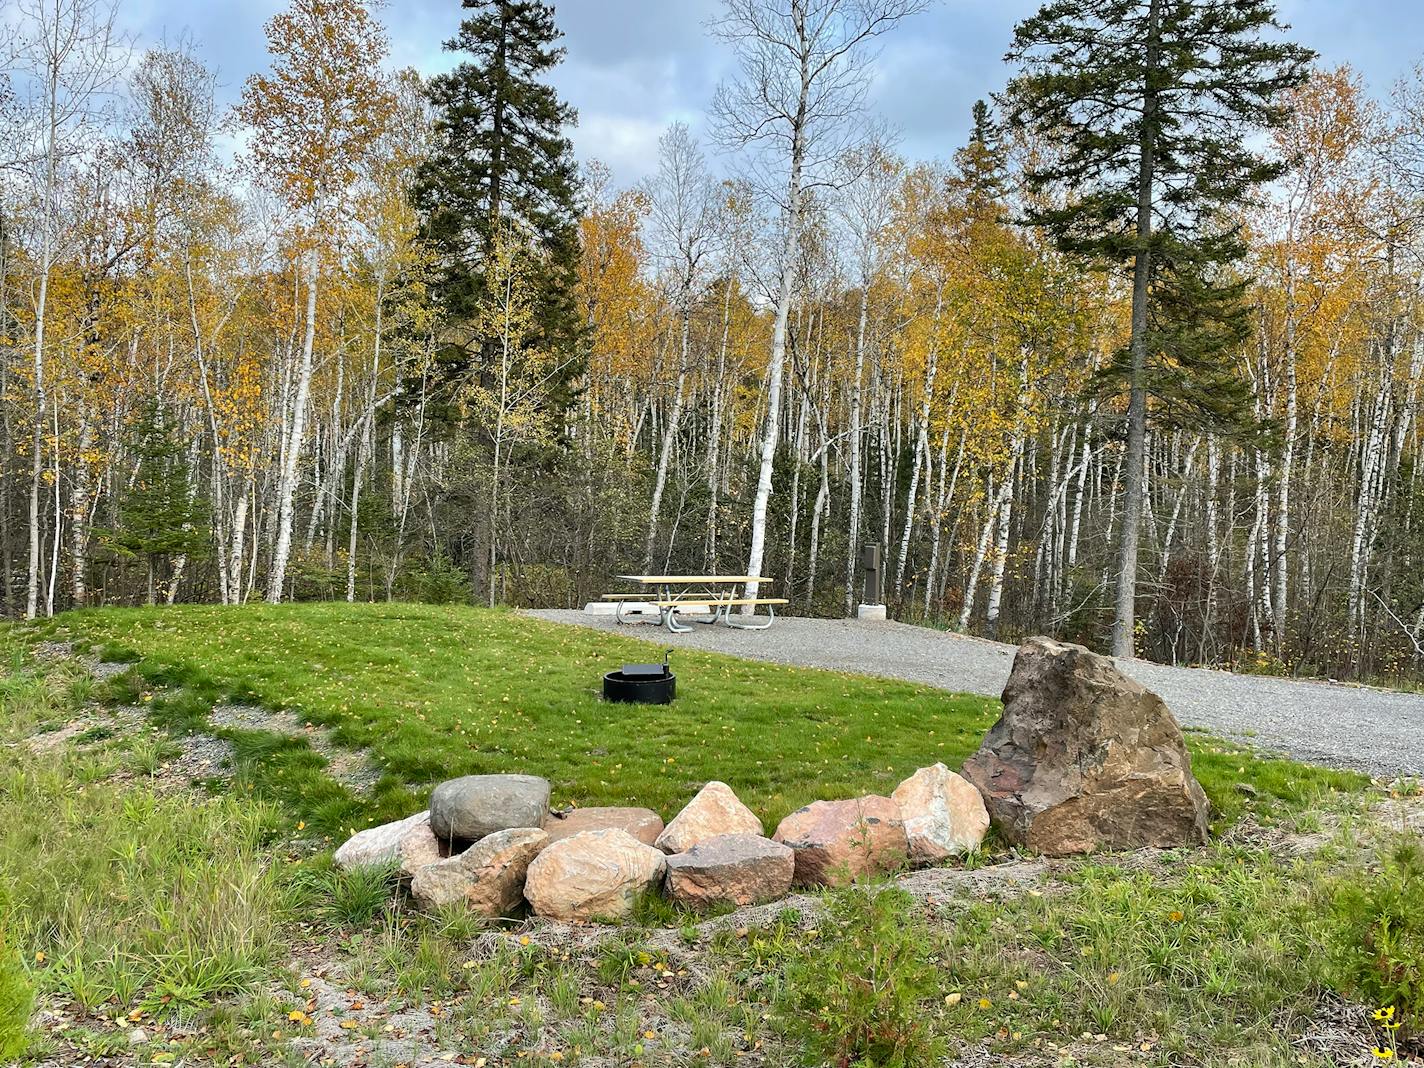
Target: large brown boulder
[(837, 842), (715, 810), (731, 869), (1084, 758), (488, 877), (642, 823), (593, 875)]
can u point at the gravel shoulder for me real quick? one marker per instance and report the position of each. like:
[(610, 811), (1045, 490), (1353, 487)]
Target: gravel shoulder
[(1372, 730)]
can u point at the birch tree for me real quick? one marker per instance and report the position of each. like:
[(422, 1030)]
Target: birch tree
[(802, 75), (70, 54), (313, 120), (683, 210), (865, 206)]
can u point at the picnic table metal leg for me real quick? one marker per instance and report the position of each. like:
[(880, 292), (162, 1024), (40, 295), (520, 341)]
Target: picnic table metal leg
[(670, 618), (628, 620), (770, 619)]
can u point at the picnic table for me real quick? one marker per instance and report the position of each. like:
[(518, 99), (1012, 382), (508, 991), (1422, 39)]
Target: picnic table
[(670, 593)]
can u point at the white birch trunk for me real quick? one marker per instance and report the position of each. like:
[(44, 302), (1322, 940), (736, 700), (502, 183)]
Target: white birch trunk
[(291, 453)]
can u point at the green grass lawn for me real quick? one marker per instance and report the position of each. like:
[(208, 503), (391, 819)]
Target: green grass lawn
[(212, 918), (434, 692)]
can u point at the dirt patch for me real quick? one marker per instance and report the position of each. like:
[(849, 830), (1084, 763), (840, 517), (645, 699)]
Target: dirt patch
[(252, 718), (49, 742), (96, 726), (51, 652), (204, 756), (352, 768), (104, 670), (1339, 1033), (348, 1028)]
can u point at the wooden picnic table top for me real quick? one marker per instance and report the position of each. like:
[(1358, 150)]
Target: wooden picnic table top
[(710, 580)]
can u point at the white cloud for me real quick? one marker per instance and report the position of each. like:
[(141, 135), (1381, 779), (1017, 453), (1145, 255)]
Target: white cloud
[(627, 144)]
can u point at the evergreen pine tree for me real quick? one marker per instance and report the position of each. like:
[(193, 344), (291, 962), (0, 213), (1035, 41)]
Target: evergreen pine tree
[(503, 159), (159, 517), (1152, 107), (980, 163)]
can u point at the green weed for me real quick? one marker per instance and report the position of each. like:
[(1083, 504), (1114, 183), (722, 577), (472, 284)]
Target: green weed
[(342, 900), (17, 998), (858, 993), (1377, 935)]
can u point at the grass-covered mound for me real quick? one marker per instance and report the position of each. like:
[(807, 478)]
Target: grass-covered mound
[(438, 691)]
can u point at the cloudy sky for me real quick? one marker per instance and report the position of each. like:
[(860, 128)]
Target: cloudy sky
[(633, 66)]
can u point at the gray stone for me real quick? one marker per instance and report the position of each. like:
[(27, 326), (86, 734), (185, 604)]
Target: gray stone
[(731, 869), (388, 843), (471, 807), (1085, 758)]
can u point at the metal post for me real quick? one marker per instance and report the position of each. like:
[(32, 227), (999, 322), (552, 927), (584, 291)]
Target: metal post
[(870, 565)]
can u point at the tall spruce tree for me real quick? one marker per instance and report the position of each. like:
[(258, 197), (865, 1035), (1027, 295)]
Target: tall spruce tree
[(502, 159), (1152, 106), (980, 163)]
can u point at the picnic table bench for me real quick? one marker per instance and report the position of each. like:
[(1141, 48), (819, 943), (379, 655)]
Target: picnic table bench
[(671, 593)]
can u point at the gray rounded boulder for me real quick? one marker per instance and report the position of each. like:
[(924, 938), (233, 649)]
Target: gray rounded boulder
[(473, 806)]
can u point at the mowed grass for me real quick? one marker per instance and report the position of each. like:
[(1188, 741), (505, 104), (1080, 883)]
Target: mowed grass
[(433, 692)]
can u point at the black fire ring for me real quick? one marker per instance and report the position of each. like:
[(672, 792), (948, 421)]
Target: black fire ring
[(649, 684)]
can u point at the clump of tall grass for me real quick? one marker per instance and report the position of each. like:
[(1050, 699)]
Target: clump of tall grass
[(17, 998), (118, 892)]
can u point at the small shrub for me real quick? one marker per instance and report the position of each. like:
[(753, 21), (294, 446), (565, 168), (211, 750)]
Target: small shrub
[(536, 586), (1377, 950), (858, 994), (17, 998), (440, 581)]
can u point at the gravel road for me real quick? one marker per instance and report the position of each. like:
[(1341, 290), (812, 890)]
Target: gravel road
[(1378, 731)]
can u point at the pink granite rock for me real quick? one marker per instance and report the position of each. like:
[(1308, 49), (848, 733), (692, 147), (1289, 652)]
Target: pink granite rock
[(593, 875), (714, 811), (488, 877), (836, 842), (944, 814), (642, 823)]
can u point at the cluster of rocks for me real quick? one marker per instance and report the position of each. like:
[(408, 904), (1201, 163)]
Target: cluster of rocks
[(491, 843), (1083, 758)]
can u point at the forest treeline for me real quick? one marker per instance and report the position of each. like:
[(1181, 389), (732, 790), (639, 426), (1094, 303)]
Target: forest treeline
[(1137, 365)]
